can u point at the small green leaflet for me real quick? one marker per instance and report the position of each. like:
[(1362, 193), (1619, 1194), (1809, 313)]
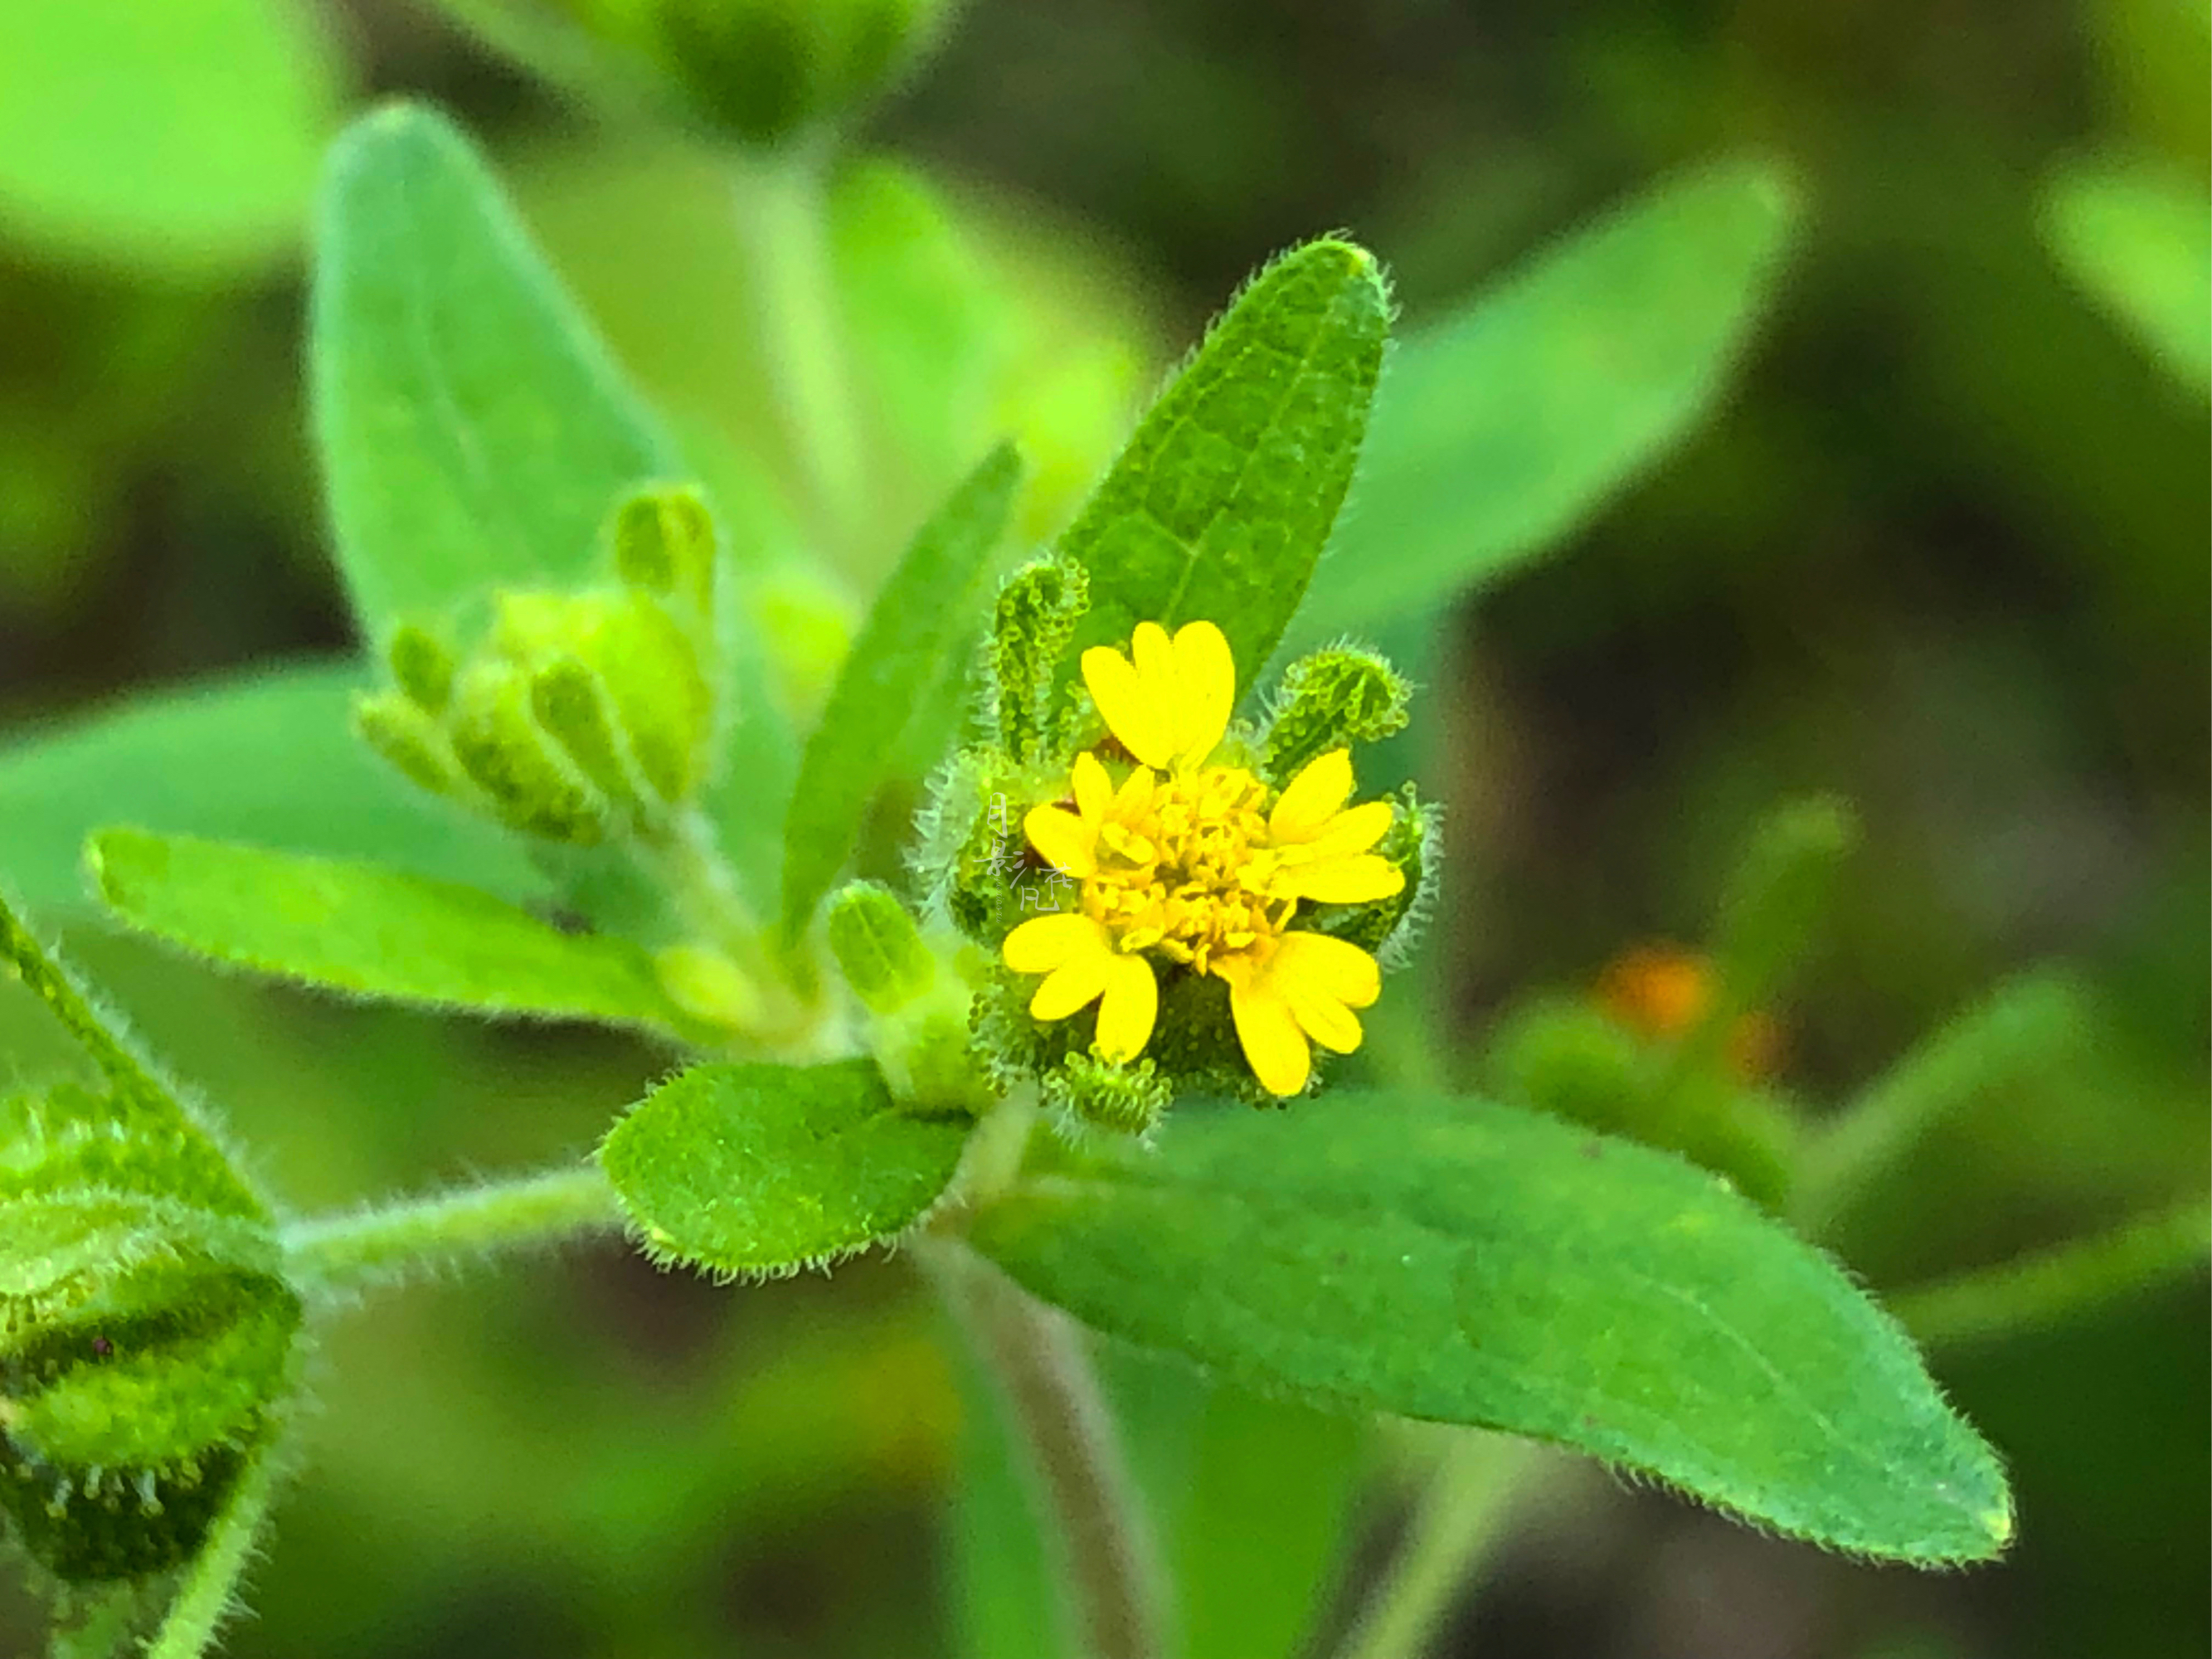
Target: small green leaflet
[(1475, 1264), (372, 932), (180, 137), (758, 1169), (925, 616), (2132, 234), (268, 755), (1502, 426), (1225, 496), (474, 432)]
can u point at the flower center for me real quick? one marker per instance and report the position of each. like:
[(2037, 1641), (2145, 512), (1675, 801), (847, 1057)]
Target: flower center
[(1182, 870)]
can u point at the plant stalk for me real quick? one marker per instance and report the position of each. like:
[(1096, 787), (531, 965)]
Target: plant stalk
[(2048, 1287), (784, 213), (1035, 1355), (1461, 1515), (349, 1252)]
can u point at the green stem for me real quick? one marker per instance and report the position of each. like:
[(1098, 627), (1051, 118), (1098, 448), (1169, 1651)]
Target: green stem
[(101, 1033), (782, 203), (1037, 1357), (347, 1252), (2051, 1285), (1461, 1515), (2020, 1029), (207, 1593)]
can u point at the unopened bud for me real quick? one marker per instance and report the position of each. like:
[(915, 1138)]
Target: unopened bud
[(1332, 699)]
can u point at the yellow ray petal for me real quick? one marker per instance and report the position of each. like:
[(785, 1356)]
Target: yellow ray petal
[(1354, 831), (1131, 707), (1320, 1016), (1065, 841), (1273, 1045), (1153, 653), (1042, 944), (1132, 1003), (1335, 966), (1314, 797), (1205, 675), (1134, 795), (1339, 881), (1075, 983), (1094, 790)]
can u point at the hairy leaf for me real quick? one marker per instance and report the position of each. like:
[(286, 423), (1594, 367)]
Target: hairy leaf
[(1223, 499), (740, 1169), (267, 756), (474, 432), (372, 932), (1475, 1264), (1502, 426), (923, 620)]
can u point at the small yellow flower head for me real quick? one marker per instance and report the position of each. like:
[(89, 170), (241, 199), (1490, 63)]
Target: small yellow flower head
[(1188, 866)]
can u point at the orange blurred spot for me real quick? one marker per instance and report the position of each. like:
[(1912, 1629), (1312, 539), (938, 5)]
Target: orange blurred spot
[(1661, 992)]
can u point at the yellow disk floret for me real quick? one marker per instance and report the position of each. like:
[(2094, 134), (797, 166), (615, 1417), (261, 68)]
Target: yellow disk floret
[(1190, 864)]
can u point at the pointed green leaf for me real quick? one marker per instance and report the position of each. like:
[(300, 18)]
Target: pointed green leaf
[(742, 1168), (1504, 426), (2133, 235), (372, 932), (1221, 502), (925, 616), (1473, 1264), (474, 431), (268, 757)]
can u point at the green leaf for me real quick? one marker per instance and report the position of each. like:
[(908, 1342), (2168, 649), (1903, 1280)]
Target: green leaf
[(1475, 1264), (474, 431), (745, 1168), (2133, 235), (1504, 426), (372, 932), (925, 617), (180, 137), (268, 758), (1222, 501)]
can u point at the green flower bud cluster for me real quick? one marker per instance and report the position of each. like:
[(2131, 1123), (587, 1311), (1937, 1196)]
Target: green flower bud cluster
[(761, 70), (582, 716), (916, 1005), (147, 1335)]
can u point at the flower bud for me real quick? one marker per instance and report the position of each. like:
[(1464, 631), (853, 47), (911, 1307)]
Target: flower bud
[(1332, 699), (410, 741), (1031, 626), (1128, 1100), (762, 70), (664, 543), (532, 786), (146, 1337), (422, 667)]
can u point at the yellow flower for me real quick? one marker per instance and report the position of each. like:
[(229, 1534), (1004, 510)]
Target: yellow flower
[(1188, 863)]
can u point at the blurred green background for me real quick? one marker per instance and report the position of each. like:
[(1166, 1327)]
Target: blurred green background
[(1944, 552)]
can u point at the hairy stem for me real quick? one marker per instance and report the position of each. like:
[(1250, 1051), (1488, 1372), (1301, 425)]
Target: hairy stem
[(208, 1592), (1461, 1515), (346, 1252), (1035, 1353), (2051, 1286)]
